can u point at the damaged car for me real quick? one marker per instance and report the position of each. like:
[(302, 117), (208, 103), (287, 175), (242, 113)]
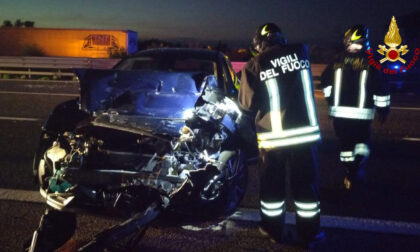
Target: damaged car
[(160, 132)]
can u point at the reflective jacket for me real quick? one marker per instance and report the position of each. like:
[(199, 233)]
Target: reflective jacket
[(353, 88), (277, 86)]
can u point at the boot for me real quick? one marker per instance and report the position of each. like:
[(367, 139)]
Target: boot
[(273, 228), (309, 233), (355, 177)]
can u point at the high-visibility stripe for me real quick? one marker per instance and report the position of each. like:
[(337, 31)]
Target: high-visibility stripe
[(362, 88), (362, 149), (327, 91), (307, 88), (279, 137), (273, 95), (307, 214), (347, 159), (272, 205), (347, 156), (337, 86), (382, 104), (382, 101), (268, 144), (272, 213), (352, 113), (307, 206), (287, 133), (381, 98)]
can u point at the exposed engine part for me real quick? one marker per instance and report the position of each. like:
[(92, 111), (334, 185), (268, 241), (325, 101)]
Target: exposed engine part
[(101, 165), (55, 153), (199, 144)]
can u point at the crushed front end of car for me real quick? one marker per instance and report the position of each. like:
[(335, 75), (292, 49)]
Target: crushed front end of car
[(138, 144)]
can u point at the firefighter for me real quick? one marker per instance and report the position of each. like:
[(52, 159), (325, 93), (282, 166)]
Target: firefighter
[(354, 91), (276, 85)]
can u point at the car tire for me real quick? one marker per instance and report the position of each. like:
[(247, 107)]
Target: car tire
[(237, 181)]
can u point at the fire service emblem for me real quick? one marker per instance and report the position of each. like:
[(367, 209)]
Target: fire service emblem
[(393, 41)]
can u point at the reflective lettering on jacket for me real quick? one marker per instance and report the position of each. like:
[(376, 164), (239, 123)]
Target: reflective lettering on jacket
[(280, 137), (357, 112)]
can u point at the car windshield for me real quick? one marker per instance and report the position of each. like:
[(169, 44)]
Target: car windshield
[(168, 64)]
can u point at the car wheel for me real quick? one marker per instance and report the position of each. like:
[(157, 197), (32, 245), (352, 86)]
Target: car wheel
[(237, 181)]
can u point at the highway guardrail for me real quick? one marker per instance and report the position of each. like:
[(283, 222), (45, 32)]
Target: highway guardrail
[(58, 68), (49, 67)]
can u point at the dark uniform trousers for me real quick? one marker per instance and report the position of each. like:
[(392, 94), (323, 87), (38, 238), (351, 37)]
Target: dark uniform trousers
[(354, 138), (303, 172)]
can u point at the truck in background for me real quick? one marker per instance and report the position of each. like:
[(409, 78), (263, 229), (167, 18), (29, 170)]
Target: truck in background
[(91, 43)]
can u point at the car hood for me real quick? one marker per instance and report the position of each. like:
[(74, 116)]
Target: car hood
[(153, 93), (151, 100)]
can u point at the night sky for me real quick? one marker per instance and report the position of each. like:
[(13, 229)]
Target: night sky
[(229, 21)]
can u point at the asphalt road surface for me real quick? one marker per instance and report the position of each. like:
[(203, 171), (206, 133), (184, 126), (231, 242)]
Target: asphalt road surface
[(392, 192)]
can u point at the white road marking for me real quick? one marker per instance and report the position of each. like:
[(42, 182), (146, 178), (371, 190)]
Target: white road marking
[(226, 225), (406, 108), (21, 119), (411, 139), (38, 93), (21, 195), (214, 228), (352, 223), (246, 214)]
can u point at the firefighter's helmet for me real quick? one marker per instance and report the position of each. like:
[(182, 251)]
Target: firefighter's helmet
[(268, 33), (356, 35)]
